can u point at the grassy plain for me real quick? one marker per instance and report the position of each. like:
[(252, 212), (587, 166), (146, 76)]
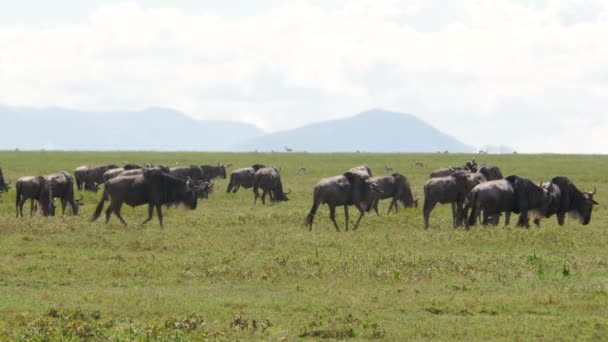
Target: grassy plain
[(212, 272)]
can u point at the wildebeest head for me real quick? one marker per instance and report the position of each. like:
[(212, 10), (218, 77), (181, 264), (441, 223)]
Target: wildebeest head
[(586, 206), (360, 187), (404, 191), (190, 198)]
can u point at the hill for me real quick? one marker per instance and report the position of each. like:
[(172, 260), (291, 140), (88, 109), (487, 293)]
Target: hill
[(371, 131), (157, 129)]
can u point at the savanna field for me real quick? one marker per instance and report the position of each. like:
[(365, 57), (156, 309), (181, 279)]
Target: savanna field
[(230, 270)]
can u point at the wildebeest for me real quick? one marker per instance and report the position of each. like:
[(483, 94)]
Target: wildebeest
[(418, 164), (269, 180), (34, 189), (513, 194), (61, 185), (470, 166), (349, 188), (113, 173), (4, 186), (450, 189), (210, 172), (243, 178), (388, 169), (80, 176), (94, 176), (193, 172), (568, 199), (492, 198), (152, 187), (490, 172), (301, 170), (396, 187)]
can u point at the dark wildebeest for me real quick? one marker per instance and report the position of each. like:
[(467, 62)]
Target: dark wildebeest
[(490, 172), (269, 180), (568, 199), (396, 187), (152, 187), (80, 176), (519, 195), (211, 172), (95, 176), (194, 172), (492, 198), (61, 185), (244, 177), (450, 189), (350, 188), (34, 189), (4, 186)]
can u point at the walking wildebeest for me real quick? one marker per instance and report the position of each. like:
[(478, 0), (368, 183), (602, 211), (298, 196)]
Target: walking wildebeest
[(94, 176), (450, 189), (396, 187), (34, 189), (490, 172), (244, 177), (568, 199), (269, 180), (4, 187), (152, 187), (61, 185), (349, 188), (210, 172), (193, 172)]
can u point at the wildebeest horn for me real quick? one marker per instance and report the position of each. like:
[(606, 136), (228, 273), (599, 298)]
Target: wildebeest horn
[(594, 191), (287, 193), (7, 184), (80, 199)]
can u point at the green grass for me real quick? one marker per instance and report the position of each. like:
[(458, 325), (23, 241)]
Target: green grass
[(212, 272)]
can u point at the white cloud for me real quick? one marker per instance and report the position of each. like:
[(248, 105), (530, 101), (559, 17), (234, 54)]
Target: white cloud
[(486, 72)]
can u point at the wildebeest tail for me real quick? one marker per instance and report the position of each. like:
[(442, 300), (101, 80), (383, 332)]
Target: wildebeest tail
[(471, 201), (99, 207), (18, 197), (311, 215)]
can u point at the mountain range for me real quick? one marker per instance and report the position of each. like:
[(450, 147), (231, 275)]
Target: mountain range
[(162, 129)]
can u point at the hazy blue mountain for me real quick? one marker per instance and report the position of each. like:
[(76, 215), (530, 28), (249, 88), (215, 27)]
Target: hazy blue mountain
[(151, 129), (371, 131)]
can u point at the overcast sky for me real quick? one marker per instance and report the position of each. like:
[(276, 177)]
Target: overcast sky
[(529, 74)]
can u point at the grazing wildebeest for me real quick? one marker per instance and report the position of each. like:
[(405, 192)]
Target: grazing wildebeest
[(243, 178), (4, 187), (349, 188), (61, 185), (269, 180), (94, 176), (492, 198), (490, 172), (418, 164), (396, 187), (210, 172), (34, 189), (568, 199), (80, 176), (193, 172), (152, 187), (450, 189)]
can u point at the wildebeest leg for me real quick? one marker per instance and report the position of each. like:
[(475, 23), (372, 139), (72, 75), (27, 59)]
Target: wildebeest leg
[(426, 211), (537, 222), (524, 221), (21, 203), (560, 218), (346, 216), (150, 212), (374, 206), (264, 197), (361, 214), (507, 218), (159, 212), (31, 207), (117, 212), (390, 206), (63, 203), (109, 211), (255, 195), (332, 217)]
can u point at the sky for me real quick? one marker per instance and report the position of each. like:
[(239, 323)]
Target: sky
[(532, 75)]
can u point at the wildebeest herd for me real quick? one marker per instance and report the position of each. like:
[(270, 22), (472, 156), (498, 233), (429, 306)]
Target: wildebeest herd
[(476, 194)]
